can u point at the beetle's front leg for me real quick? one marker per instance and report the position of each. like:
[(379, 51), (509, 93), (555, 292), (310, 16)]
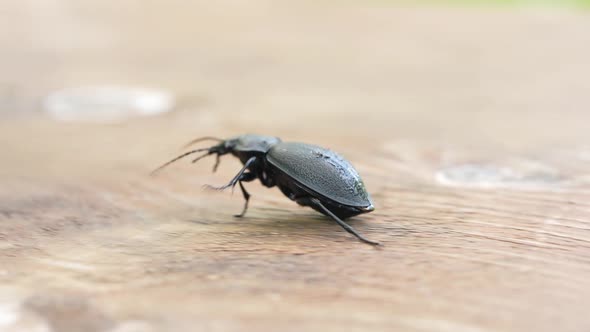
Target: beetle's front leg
[(241, 176), (244, 175), (246, 195)]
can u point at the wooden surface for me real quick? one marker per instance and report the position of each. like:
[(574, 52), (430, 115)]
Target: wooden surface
[(470, 128)]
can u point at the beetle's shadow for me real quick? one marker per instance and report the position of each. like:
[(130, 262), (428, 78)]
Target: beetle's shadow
[(271, 221), (276, 217), (306, 223), (275, 223), (273, 216)]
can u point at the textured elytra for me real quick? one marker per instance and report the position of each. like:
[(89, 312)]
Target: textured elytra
[(322, 171)]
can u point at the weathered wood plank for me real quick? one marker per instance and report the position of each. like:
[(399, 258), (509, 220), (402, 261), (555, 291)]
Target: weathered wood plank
[(472, 142)]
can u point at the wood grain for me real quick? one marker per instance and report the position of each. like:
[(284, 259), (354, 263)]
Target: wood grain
[(469, 127)]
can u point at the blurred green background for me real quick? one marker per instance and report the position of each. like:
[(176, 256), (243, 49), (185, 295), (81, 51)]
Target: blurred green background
[(558, 3)]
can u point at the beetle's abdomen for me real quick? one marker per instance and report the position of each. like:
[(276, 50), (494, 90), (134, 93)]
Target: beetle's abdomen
[(321, 170)]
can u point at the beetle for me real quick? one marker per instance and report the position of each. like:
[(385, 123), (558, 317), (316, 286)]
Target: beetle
[(307, 174)]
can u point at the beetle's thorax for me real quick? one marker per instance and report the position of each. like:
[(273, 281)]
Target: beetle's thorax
[(250, 143), (243, 156)]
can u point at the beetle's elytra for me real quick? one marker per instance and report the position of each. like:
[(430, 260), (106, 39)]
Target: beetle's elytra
[(309, 175)]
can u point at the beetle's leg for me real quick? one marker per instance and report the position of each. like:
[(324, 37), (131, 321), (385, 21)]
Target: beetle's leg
[(236, 178), (246, 197), (344, 225), (245, 177), (217, 160)]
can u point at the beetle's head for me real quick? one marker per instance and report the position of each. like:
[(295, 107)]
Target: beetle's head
[(219, 149), (245, 143)]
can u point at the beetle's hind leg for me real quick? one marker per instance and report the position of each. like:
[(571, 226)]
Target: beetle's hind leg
[(316, 202)]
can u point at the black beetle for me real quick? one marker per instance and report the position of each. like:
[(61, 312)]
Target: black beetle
[(307, 174)]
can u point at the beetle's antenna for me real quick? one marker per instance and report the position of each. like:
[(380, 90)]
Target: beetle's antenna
[(200, 139), (201, 157), (182, 156), (217, 160)]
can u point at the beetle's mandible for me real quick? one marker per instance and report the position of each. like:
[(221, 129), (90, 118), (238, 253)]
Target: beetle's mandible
[(309, 175)]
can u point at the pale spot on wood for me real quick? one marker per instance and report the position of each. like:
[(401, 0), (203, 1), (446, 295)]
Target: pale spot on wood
[(494, 176)]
